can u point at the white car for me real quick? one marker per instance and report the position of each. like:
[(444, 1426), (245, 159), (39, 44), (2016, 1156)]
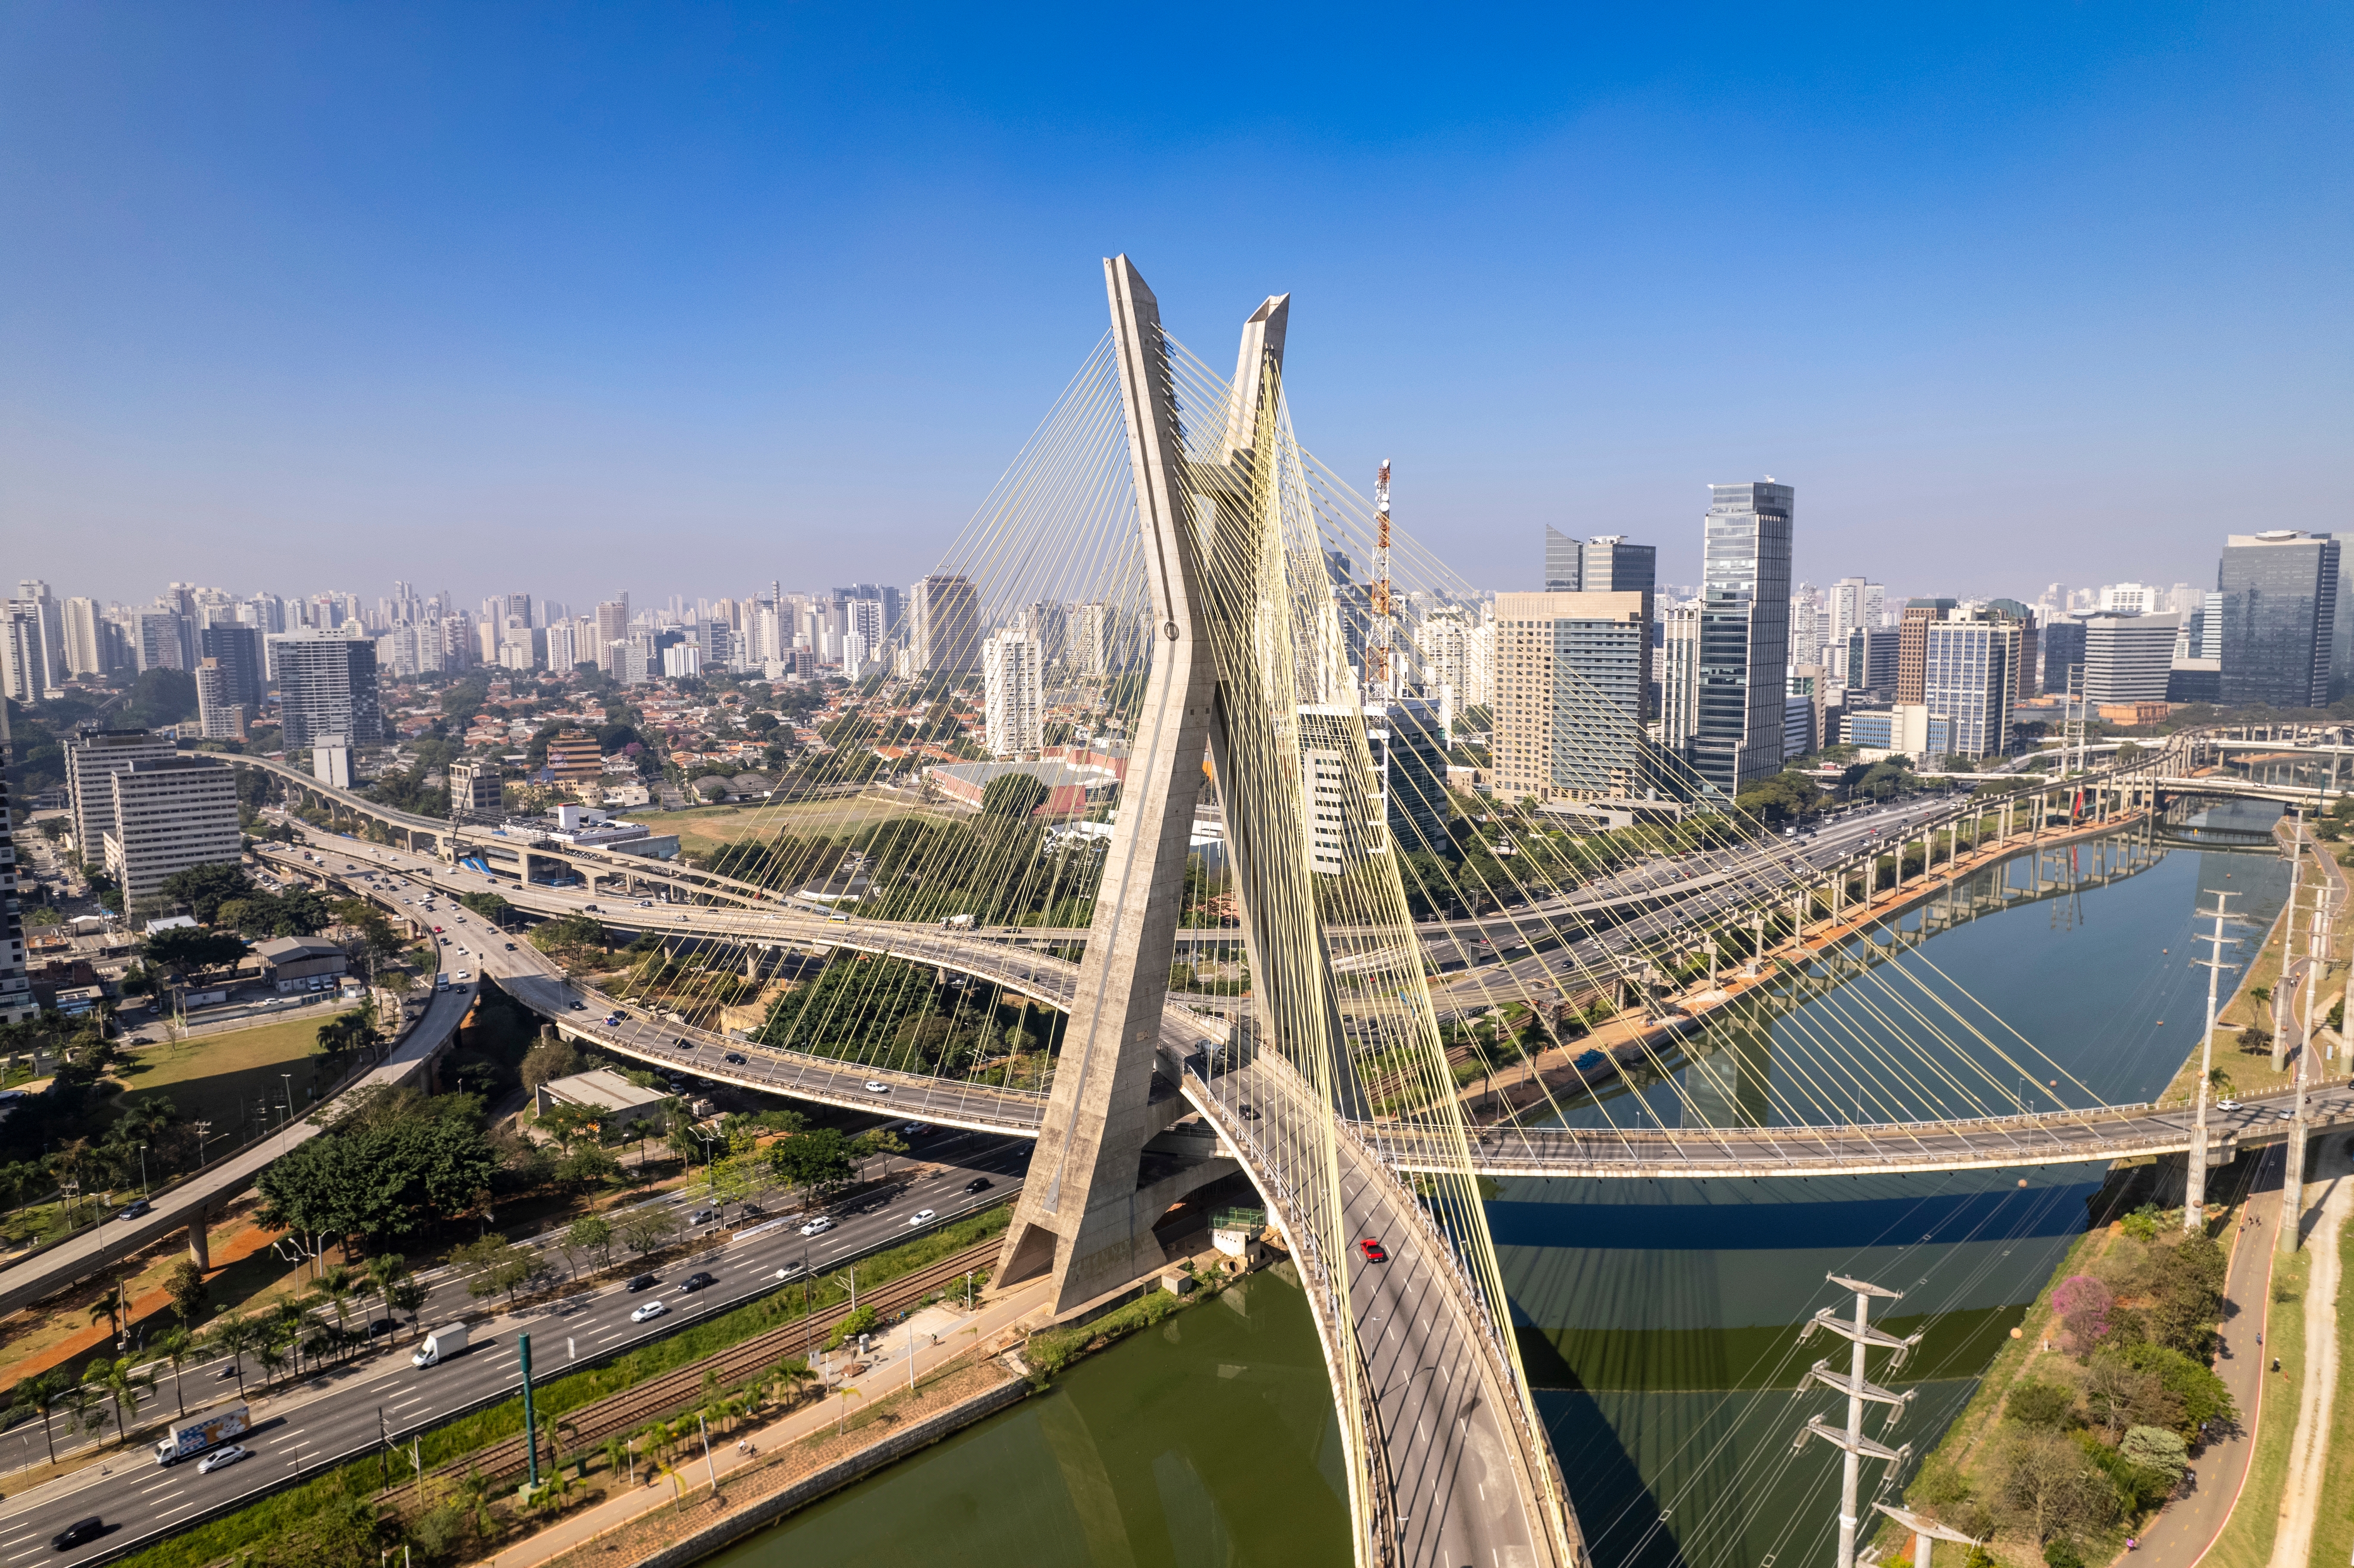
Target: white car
[(462, 977), (790, 1271), (922, 1217), (648, 1312), (877, 1087), (2227, 1105), (221, 1458), (818, 1226)]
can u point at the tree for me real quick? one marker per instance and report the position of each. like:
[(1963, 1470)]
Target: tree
[(2034, 1403), (2044, 1485), (178, 1346), (188, 1290), (550, 1058), (496, 1266), (488, 905), (2119, 1393), (1014, 795), (233, 1336), (205, 888), (406, 1298), (2155, 1449), (649, 1230), (122, 1384), (882, 1141), (385, 1270), (814, 1161), (40, 1392), (591, 1235), (187, 947)]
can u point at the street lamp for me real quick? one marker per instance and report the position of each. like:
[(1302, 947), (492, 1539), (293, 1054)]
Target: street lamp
[(143, 1169), (288, 1078), (203, 1130)]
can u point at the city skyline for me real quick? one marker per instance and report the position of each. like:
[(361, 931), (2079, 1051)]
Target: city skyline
[(514, 335)]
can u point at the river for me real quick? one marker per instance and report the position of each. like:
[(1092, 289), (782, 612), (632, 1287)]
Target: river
[(1660, 1319)]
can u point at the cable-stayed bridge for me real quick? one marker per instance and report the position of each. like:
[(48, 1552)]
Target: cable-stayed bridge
[(1168, 598)]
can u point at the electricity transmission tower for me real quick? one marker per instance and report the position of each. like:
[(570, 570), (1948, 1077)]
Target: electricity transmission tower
[(1859, 1333)]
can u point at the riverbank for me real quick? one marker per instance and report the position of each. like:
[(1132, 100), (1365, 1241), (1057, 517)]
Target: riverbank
[(2113, 1362), (773, 1472)]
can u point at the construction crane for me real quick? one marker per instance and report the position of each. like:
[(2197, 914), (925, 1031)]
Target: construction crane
[(1379, 674)]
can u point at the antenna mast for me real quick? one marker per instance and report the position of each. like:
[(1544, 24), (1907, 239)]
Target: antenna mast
[(1378, 672)]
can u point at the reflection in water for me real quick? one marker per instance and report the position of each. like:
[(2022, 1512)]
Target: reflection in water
[(1210, 1442), (1658, 1318)]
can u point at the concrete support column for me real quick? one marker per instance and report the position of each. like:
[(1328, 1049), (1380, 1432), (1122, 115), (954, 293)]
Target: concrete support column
[(199, 1245)]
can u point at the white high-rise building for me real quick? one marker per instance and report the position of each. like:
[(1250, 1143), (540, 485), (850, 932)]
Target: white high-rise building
[(2130, 599), (1679, 675), (1014, 680), (92, 756), (1806, 636), (167, 815), (1854, 602), (87, 642)]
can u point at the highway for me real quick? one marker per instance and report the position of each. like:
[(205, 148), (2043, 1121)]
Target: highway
[(175, 1208), (329, 1417)]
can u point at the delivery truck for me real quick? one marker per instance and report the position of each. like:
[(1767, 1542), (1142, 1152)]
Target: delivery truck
[(190, 1437), (440, 1345)]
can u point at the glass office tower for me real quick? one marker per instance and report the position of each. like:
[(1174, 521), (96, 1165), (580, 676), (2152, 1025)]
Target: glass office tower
[(2280, 612), (1745, 634)]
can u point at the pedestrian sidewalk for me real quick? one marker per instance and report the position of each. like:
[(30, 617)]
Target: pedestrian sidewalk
[(940, 1335), (2184, 1530)]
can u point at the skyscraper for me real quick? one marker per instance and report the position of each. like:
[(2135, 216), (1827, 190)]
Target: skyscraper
[(1912, 644), (1855, 601), (327, 689), (1679, 671), (1013, 694), (1970, 678), (1564, 561), (237, 651), (1745, 634), (947, 625), (1571, 672), (2280, 605), (2128, 658)]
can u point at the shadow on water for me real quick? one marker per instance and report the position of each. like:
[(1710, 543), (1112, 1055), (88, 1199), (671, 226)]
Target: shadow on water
[(1209, 1442)]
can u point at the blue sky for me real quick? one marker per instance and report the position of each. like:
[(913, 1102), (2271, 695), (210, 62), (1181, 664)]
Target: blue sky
[(576, 299)]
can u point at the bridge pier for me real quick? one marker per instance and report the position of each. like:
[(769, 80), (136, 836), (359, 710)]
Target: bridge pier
[(199, 1244)]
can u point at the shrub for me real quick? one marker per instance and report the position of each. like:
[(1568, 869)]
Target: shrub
[(2155, 1449), (2040, 1404)]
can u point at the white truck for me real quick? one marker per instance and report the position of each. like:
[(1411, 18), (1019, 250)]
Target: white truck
[(440, 1345), (190, 1437)]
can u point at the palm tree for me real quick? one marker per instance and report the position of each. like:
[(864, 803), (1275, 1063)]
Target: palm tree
[(286, 1323), (116, 1381), (272, 1354), (335, 1288), (383, 1271), (179, 1345), (41, 1392), (234, 1336)]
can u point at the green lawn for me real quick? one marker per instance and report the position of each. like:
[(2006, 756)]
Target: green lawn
[(2333, 1532), (221, 1077)]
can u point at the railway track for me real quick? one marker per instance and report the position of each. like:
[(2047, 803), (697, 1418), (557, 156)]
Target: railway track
[(682, 1386)]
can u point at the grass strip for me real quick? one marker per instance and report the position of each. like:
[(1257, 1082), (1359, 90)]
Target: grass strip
[(2333, 1530), (253, 1530)]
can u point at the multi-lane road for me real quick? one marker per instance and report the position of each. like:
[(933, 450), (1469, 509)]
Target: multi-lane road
[(326, 1418)]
